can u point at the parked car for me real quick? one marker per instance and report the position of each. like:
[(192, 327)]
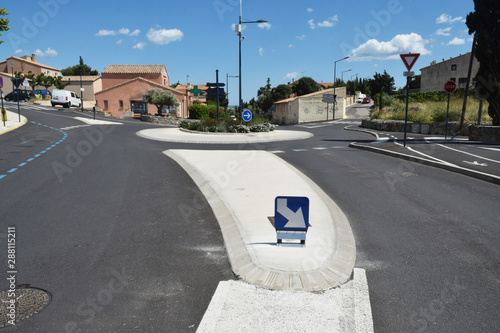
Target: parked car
[(24, 95), (366, 100), (65, 98), (42, 92)]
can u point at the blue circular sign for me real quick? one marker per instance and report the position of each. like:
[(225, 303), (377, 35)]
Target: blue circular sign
[(247, 115)]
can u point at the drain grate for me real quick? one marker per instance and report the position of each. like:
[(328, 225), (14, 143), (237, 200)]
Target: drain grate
[(28, 302)]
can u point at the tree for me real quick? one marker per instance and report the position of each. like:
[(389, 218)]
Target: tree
[(484, 22), (160, 98), (281, 91), (265, 100), (75, 70), (46, 81), (4, 22), (305, 85), (174, 85), (381, 82), (58, 83)]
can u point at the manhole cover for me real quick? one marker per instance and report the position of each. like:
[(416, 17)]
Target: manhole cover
[(27, 303)]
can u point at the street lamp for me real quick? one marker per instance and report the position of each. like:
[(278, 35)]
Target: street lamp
[(356, 75), (227, 85), (240, 37), (335, 84), (345, 72), (81, 84)]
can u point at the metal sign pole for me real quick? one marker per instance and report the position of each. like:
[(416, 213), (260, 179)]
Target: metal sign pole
[(407, 98), (447, 111)]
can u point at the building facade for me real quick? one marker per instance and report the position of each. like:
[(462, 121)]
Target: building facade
[(309, 108), (24, 65), (124, 85), (435, 76), (91, 85)]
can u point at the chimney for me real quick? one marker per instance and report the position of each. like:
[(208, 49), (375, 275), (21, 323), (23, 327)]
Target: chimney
[(33, 57)]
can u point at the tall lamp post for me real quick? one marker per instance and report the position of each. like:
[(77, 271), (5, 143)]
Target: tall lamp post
[(342, 75), (240, 37), (335, 84), (227, 85)]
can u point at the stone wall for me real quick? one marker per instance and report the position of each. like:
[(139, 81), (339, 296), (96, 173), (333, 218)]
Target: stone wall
[(399, 126), (484, 133)]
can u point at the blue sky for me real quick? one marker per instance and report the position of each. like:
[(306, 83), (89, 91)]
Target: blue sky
[(301, 38)]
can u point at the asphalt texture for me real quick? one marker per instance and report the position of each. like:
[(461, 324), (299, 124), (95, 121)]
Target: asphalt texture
[(426, 237)]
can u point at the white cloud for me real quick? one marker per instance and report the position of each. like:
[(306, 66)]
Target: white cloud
[(102, 33), (261, 51), (136, 32), (164, 36), (330, 22), (444, 31), (310, 10), (447, 18), (139, 45), (292, 75), (18, 52), (456, 41), (265, 26), (290, 45), (47, 54), (373, 49), (119, 42), (301, 37), (122, 31), (312, 25)]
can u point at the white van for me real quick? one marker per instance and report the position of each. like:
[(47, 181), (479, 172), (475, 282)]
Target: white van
[(65, 98)]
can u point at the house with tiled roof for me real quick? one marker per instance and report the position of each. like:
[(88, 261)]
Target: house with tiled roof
[(124, 85), (310, 108), (91, 85), (24, 65)]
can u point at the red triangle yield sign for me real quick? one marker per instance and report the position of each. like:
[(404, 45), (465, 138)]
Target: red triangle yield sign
[(409, 59)]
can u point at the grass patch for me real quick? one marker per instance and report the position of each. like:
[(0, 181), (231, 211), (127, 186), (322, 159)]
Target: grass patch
[(432, 111)]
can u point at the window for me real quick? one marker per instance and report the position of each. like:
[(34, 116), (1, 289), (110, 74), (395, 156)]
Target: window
[(453, 79), (105, 104), (453, 67), (121, 104)]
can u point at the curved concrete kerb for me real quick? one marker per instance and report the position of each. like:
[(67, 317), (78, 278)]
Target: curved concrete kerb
[(177, 135), (241, 186)]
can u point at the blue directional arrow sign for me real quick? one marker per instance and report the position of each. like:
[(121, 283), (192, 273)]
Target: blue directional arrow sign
[(247, 115), (291, 213)]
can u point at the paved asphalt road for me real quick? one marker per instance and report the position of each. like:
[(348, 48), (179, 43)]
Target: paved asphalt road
[(123, 240)]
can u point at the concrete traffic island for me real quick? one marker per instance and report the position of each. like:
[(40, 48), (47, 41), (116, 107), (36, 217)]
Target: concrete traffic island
[(241, 187), (178, 135)]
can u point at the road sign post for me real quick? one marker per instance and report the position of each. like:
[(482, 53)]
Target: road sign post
[(409, 60), (291, 219), (4, 115), (449, 87), (247, 115)]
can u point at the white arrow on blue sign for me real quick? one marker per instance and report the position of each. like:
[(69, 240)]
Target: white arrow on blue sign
[(291, 213), (247, 115)]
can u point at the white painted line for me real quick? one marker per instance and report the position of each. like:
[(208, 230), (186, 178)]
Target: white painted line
[(97, 122), (320, 148), (489, 148), (473, 155), (277, 151), (299, 150), (239, 307)]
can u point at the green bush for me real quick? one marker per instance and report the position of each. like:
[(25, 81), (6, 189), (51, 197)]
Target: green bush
[(199, 111)]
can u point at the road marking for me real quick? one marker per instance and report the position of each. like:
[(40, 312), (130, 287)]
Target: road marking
[(489, 148), (473, 155), (277, 151), (73, 127), (320, 148), (42, 152), (299, 150), (476, 163)]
